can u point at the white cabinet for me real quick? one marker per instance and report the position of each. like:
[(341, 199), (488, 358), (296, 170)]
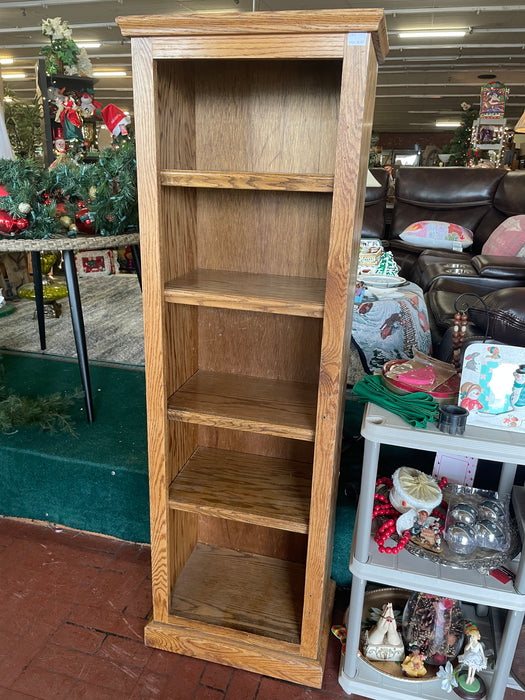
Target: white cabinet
[(416, 573)]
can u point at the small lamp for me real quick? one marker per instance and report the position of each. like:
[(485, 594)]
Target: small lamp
[(520, 126)]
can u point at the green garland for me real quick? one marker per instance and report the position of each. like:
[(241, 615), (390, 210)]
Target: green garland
[(107, 188), (47, 412)]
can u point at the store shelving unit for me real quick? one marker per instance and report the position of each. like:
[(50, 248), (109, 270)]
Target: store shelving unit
[(416, 573), (252, 135)]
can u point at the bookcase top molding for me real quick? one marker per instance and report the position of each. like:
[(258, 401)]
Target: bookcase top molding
[(370, 21)]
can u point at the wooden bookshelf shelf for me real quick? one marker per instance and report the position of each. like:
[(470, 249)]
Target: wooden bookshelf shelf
[(233, 401), (248, 592), (249, 488), (247, 181), (295, 296)]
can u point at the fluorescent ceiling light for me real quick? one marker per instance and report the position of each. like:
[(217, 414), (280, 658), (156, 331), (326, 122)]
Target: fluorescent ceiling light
[(13, 76), (448, 123), (438, 33), (8, 99), (88, 44), (109, 73), (6, 61)]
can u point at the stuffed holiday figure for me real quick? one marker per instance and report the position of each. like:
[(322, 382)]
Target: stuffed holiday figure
[(68, 114), (115, 120), (88, 106)]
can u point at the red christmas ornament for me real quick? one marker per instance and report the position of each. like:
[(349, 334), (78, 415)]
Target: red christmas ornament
[(84, 222), (8, 225)]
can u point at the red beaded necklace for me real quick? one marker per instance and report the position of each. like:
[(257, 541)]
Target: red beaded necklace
[(385, 509)]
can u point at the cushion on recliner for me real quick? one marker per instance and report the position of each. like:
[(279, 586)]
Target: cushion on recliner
[(508, 238), (437, 234), (506, 315)]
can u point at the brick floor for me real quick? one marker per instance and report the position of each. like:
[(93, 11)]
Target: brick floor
[(74, 606)]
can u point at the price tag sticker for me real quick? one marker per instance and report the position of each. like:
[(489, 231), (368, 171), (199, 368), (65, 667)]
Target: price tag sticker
[(356, 39)]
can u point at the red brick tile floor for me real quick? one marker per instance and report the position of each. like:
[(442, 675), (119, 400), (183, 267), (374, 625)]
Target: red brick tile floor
[(72, 615)]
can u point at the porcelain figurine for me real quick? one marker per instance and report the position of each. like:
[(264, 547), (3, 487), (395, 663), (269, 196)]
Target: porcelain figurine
[(383, 642)]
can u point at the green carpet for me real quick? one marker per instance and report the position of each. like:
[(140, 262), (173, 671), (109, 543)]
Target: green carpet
[(96, 481)]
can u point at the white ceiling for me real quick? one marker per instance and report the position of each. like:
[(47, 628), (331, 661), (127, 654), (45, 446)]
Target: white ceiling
[(421, 79)]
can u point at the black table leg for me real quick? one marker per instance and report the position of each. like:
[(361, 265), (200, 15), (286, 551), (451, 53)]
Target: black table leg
[(135, 254), (39, 297), (78, 328)]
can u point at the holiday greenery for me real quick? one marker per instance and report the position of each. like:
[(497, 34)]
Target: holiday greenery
[(460, 142), (98, 198), (63, 55), (46, 412), (23, 120)]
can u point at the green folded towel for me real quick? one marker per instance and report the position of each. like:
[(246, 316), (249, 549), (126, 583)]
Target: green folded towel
[(416, 408)]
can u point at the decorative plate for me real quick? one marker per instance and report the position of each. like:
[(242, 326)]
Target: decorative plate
[(383, 281)]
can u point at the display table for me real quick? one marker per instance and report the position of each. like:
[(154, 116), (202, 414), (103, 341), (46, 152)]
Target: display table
[(68, 246), (388, 327), (416, 573)]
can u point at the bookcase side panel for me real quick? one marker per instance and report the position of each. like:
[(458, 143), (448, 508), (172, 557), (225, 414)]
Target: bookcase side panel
[(357, 103)]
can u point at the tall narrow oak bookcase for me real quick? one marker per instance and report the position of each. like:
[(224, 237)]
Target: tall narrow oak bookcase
[(253, 132)]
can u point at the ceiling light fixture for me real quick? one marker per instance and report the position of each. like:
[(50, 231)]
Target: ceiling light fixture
[(436, 33), (13, 76), (448, 124), (6, 61), (88, 44), (109, 73)]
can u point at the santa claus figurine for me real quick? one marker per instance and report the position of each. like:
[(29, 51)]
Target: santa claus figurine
[(115, 120)]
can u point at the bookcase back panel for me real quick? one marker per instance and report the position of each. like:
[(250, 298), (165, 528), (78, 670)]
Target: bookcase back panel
[(279, 233), (253, 539), (272, 116), (241, 441), (260, 345)]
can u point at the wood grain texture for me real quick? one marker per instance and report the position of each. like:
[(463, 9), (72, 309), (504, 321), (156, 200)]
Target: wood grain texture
[(271, 346), (251, 181), (269, 47), (359, 71), (255, 654), (289, 22), (248, 592), (284, 409), (249, 488), (248, 181), (256, 539), (295, 296), (144, 83)]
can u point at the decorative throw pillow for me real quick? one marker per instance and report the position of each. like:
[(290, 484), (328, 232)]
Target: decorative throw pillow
[(437, 234), (508, 238)]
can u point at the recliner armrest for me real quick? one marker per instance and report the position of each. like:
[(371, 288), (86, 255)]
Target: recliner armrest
[(499, 267)]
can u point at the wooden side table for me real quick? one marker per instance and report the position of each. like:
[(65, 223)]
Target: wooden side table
[(68, 246)]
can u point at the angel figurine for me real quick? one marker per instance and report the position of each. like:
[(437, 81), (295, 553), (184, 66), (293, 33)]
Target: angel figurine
[(474, 654)]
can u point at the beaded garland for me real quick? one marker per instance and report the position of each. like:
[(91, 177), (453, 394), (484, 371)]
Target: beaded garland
[(383, 508)]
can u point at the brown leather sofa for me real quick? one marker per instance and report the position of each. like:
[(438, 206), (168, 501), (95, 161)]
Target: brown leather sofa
[(476, 198)]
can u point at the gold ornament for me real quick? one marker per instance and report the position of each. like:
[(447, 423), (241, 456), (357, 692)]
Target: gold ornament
[(24, 207), (92, 192), (66, 221)]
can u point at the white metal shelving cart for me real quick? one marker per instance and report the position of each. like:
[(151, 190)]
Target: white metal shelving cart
[(380, 427)]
